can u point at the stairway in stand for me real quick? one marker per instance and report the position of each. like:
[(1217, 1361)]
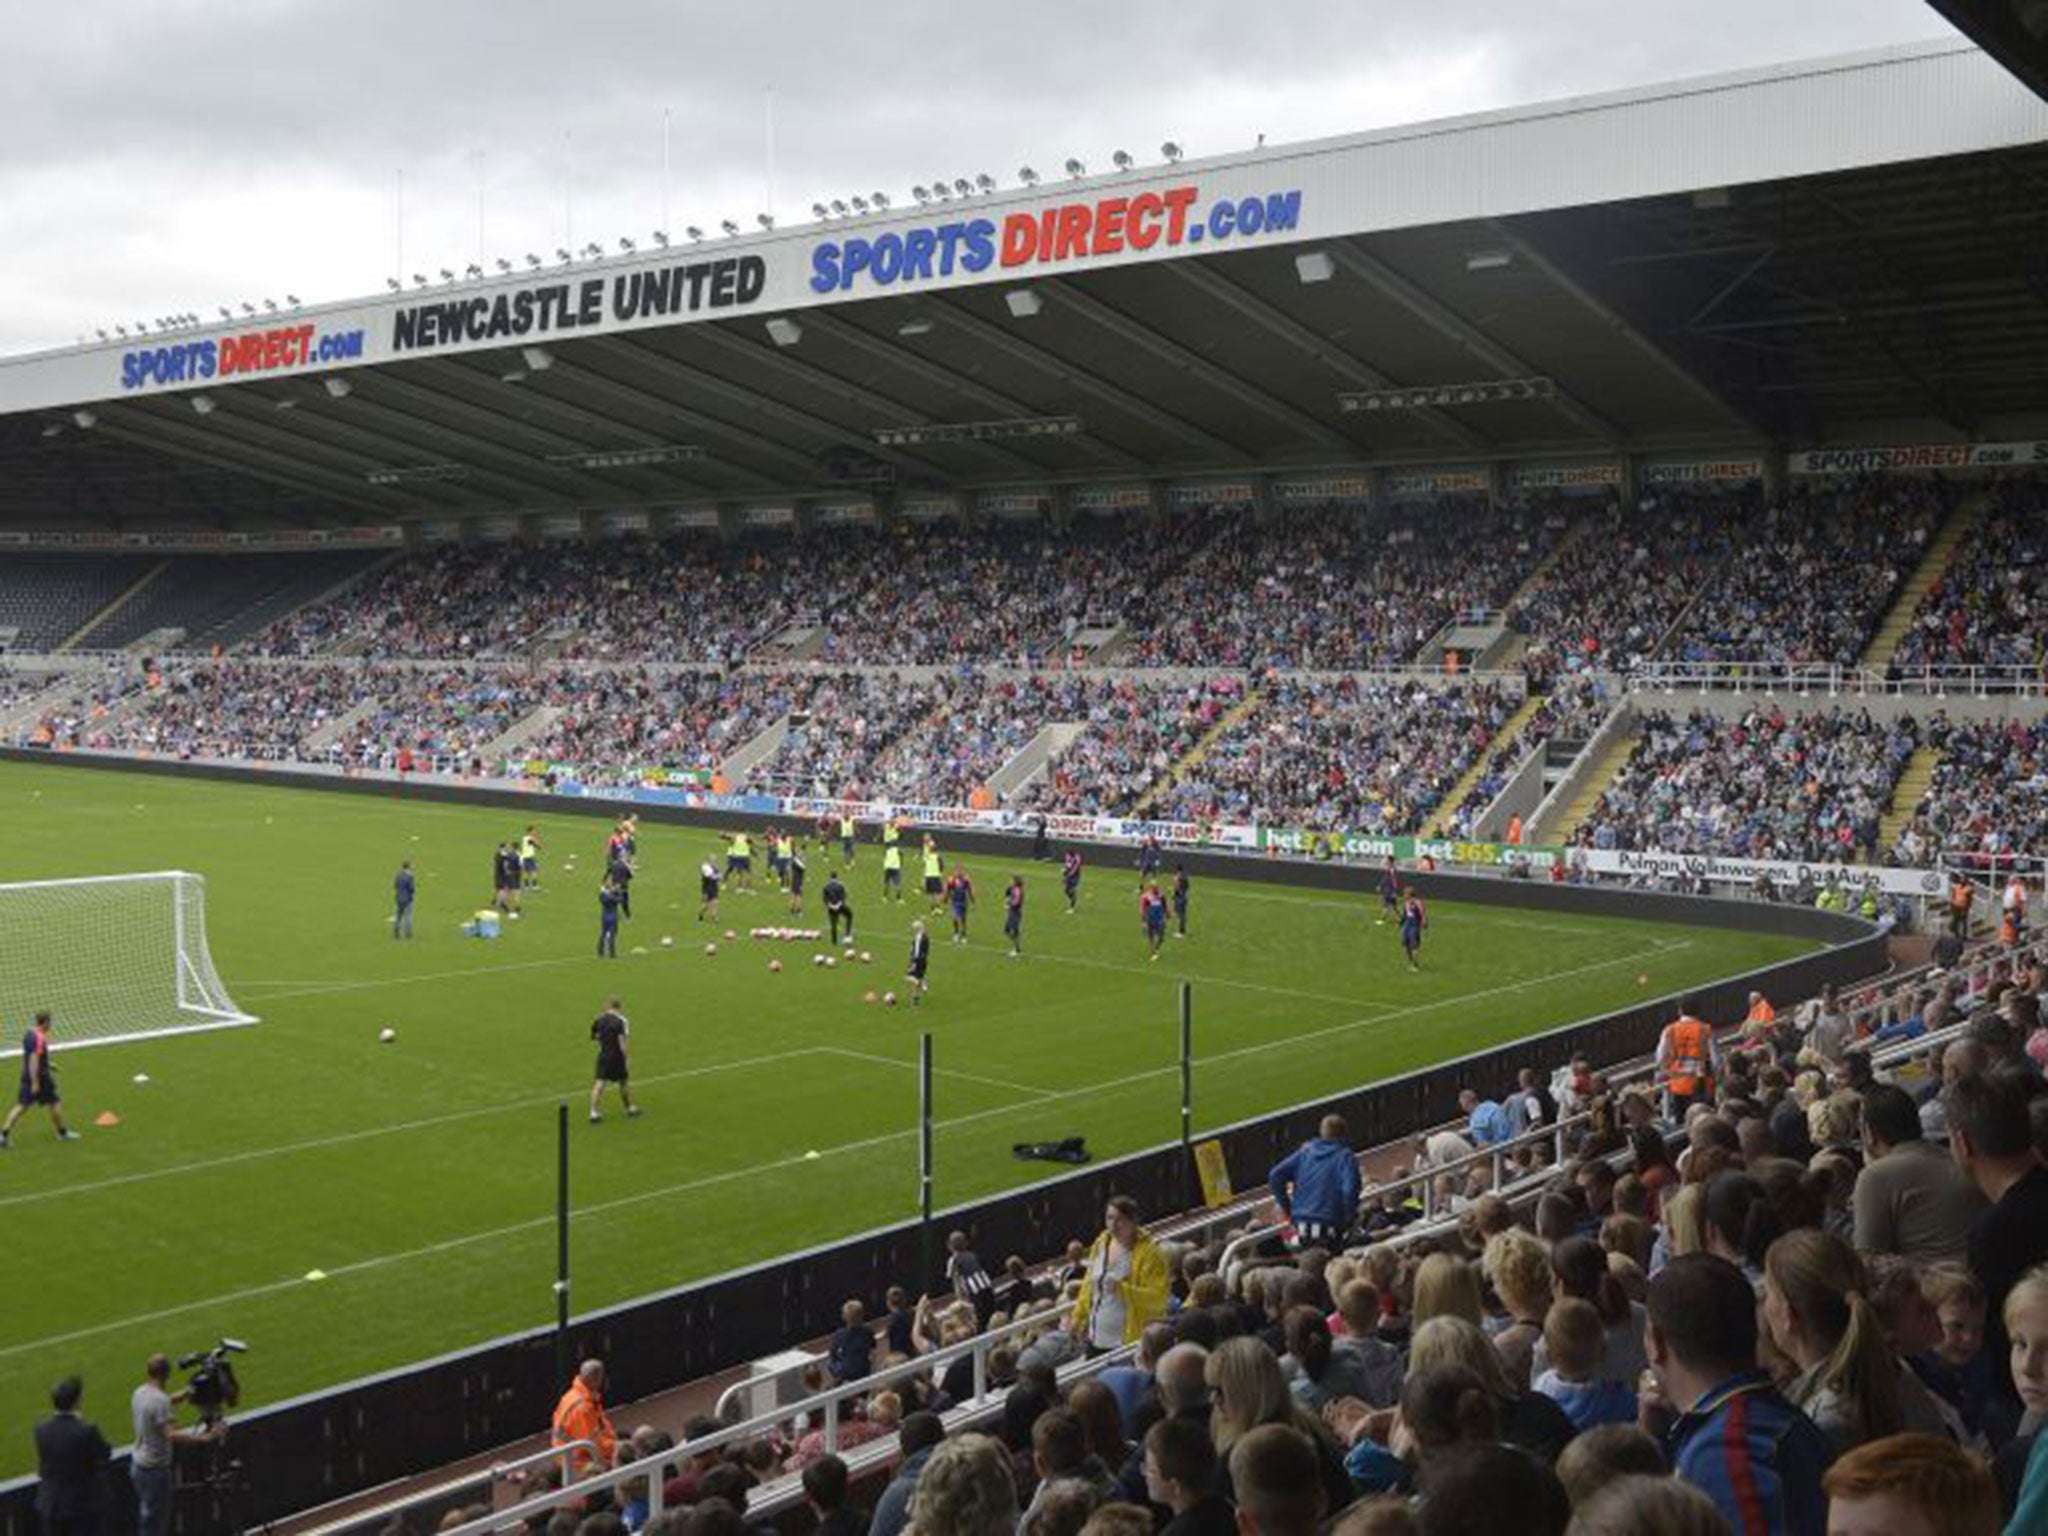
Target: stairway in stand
[(1884, 645), (1581, 805), (1197, 752), (1503, 739), (1911, 786)]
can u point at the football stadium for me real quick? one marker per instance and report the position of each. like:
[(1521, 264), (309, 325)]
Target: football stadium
[(1342, 837)]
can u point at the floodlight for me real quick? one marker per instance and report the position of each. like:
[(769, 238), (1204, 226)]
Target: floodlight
[(337, 388), (694, 232), (661, 238), (247, 309), (229, 314), (984, 183), (1122, 160), (594, 251), (784, 332), (921, 193), (504, 265), (820, 211), (101, 334), (290, 298), (203, 404), (419, 280), (860, 204), (1023, 303), (447, 276), (626, 244), (729, 227), (564, 255), (765, 220), (880, 200), (532, 261), (1027, 175), (964, 187), (85, 419), (1076, 169), (1172, 152), (472, 271)]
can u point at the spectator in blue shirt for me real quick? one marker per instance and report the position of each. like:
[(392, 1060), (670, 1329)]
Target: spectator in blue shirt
[(1317, 1185), (1735, 1437), (1489, 1122), (853, 1346)]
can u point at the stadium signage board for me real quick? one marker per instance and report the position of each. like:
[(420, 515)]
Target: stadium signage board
[(1734, 471), (1220, 493), (1411, 483), (1356, 488), (842, 514), (524, 314), (1112, 498), (1863, 461), (283, 538), (1784, 873), (1566, 477), (1064, 231), (1015, 503), (928, 509)]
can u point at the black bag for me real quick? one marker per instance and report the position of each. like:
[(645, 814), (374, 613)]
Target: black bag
[(1072, 1150)]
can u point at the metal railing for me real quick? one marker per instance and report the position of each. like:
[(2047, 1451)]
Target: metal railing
[(1834, 681), (496, 1472)]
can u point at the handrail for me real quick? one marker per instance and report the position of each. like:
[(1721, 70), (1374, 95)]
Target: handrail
[(978, 1347), (1767, 676), (778, 1493), (495, 1472)]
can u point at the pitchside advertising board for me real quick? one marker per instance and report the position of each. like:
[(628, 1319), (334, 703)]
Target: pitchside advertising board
[(1925, 456)]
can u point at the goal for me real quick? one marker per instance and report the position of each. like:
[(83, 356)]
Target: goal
[(111, 957)]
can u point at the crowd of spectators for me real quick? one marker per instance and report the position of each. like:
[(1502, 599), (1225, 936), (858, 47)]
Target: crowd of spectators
[(840, 727), (1754, 1294), (1988, 799), (1614, 592), (1365, 755), (227, 709), (1336, 588), (615, 725), (1768, 785), (1990, 608), (1134, 733), (1814, 575)]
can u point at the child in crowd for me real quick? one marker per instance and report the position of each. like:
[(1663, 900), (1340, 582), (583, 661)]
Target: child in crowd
[(1956, 1368), (1575, 1339)]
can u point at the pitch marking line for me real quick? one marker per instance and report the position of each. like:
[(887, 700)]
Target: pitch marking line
[(756, 1169), (346, 1138), (965, 1077)]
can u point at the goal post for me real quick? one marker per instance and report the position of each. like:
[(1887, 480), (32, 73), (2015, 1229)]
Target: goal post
[(110, 957)]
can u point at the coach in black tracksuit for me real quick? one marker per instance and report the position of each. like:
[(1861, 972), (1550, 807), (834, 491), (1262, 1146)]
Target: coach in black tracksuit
[(836, 907)]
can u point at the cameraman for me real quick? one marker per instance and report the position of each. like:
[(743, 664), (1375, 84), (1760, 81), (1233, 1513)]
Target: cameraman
[(156, 1434)]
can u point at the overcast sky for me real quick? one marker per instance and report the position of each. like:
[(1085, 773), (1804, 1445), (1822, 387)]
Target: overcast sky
[(171, 155)]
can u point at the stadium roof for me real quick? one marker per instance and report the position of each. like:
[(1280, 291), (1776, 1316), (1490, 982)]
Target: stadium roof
[(1785, 256)]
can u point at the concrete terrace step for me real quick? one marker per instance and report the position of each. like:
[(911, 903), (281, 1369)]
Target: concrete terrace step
[(1033, 758), (759, 750), (1574, 814), (1941, 552), (1503, 739)]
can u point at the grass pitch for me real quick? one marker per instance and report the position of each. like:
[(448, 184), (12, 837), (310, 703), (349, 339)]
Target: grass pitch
[(418, 1177)]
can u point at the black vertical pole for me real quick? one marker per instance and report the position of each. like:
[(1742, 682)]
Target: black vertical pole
[(1187, 1097), (924, 1157), (562, 1242)]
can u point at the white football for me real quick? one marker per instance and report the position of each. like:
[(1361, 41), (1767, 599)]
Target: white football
[(387, 1034), (889, 998), (668, 941), (730, 934), (830, 961), (774, 965), (710, 949), (866, 958), (817, 959)]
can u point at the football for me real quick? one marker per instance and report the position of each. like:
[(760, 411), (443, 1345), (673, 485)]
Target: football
[(668, 941), (387, 1034), (774, 965), (710, 949), (889, 998)]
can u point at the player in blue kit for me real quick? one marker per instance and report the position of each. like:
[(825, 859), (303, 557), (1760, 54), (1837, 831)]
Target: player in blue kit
[(1070, 878), (1152, 908), (610, 898), (1180, 900), (959, 897), (1148, 862), (1390, 892), (38, 1085), (1412, 922), (1013, 915)]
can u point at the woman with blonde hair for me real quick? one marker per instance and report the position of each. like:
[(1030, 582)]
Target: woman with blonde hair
[(1528, 1419), (1247, 1389), (1447, 1286), (965, 1490), (1123, 1282), (1818, 1315), (1519, 1267)]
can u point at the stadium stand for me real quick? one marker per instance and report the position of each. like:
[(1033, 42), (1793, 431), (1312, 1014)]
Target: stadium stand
[(1336, 589), (1367, 754), (1990, 608), (46, 599), (1770, 785), (217, 600), (1988, 800), (1814, 576)]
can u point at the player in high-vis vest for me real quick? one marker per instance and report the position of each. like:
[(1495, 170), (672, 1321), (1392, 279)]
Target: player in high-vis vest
[(1688, 1061)]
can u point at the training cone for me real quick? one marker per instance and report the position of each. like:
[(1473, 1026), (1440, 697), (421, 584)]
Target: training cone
[(106, 1117), (811, 1156), (316, 1274)]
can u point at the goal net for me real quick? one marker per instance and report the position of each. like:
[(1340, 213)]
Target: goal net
[(110, 957)]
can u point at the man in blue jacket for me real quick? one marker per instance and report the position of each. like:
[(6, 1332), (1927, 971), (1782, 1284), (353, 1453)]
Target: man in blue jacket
[(1316, 1186), (1735, 1438)]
